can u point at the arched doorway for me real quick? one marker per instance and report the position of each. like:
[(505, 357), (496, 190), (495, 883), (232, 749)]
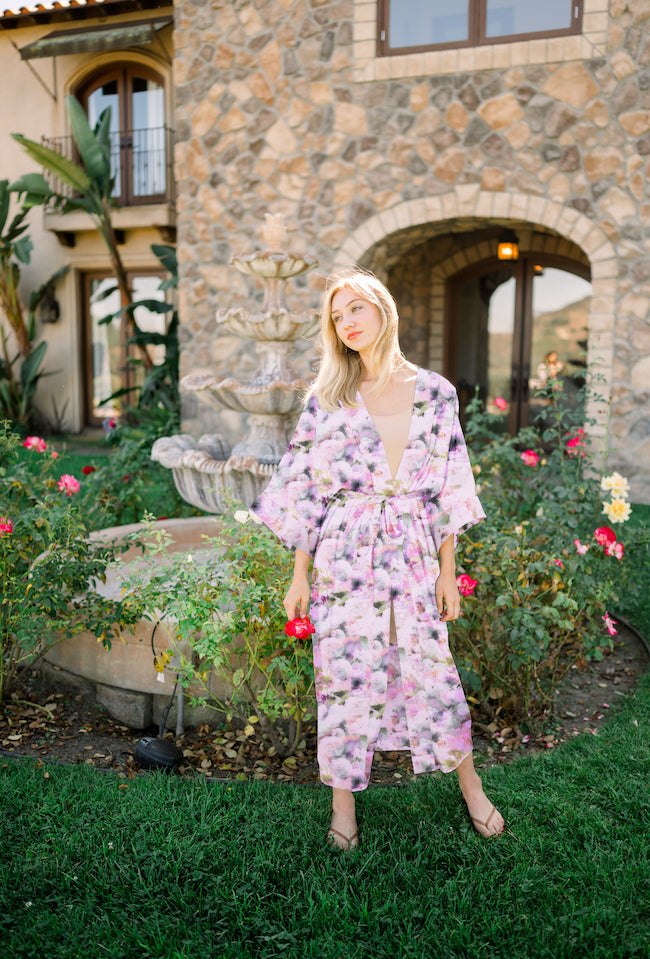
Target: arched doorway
[(511, 325), (140, 151)]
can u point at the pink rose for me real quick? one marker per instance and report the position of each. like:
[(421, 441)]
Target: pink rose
[(530, 458), (6, 526), (615, 549), (300, 628), (35, 443), (55, 455), (605, 535), (610, 624), (500, 403), (574, 446), (558, 562), (580, 547), (466, 585), (68, 484)]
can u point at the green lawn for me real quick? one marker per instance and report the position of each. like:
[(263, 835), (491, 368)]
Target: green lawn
[(91, 865)]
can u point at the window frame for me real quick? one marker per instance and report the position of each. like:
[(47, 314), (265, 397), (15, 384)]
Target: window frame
[(127, 351), (476, 24), (123, 73)]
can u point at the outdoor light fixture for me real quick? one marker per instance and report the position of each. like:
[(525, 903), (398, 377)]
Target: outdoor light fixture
[(49, 310), (508, 248)]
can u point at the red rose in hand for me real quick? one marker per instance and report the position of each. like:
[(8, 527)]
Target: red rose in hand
[(300, 628), (466, 585)]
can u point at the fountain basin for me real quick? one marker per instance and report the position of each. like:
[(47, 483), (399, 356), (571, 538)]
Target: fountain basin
[(211, 484), (273, 325), (277, 398), (124, 678)]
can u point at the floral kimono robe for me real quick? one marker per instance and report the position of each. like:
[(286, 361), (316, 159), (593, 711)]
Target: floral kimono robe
[(374, 542)]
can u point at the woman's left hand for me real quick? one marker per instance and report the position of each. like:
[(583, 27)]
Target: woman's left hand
[(447, 597)]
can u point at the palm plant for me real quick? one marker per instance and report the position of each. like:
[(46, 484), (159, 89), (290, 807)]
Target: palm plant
[(18, 387), (91, 184)]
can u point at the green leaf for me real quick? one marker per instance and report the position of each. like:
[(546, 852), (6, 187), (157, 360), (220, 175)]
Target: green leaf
[(4, 203), (23, 249), (29, 369), (67, 171), (38, 295), (167, 256), (154, 306), (34, 185), (92, 152)]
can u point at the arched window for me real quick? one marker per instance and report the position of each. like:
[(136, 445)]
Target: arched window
[(141, 143)]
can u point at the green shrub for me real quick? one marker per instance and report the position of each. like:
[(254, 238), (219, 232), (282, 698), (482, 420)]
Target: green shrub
[(546, 565), (228, 606), (47, 561)]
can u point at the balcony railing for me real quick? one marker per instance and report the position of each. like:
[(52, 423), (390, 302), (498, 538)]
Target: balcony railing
[(142, 162)]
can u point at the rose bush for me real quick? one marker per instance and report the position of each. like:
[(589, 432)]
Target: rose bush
[(47, 561), (547, 571), (227, 603)]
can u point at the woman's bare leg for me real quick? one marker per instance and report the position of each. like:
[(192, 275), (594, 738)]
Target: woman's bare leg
[(478, 805), (344, 819)]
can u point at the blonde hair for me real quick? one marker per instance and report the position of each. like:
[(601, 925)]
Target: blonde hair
[(341, 369)]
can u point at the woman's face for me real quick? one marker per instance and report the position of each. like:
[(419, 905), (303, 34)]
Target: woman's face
[(357, 322)]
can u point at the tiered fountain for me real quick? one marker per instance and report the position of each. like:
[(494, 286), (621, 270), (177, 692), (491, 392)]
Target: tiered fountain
[(208, 473)]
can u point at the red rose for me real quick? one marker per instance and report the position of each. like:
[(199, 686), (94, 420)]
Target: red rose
[(466, 585), (300, 628), (605, 535), (87, 470)]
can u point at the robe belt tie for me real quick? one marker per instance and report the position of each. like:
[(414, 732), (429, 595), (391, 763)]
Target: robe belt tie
[(390, 507)]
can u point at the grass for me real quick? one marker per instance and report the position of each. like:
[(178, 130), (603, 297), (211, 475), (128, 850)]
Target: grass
[(92, 866)]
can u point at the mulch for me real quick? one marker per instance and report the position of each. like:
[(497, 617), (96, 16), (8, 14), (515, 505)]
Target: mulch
[(56, 724)]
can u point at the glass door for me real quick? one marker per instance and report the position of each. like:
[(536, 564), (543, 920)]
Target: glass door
[(514, 326), (111, 362)]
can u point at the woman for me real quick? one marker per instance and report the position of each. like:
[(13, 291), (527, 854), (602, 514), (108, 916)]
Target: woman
[(375, 486)]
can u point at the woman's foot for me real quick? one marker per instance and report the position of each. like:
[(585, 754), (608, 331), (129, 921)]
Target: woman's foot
[(486, 819), (343, 832)]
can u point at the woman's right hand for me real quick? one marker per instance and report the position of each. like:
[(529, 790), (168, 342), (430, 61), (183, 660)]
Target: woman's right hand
[(296, 602)]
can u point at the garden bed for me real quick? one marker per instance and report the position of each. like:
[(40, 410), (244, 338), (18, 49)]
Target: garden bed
[(51, 721)]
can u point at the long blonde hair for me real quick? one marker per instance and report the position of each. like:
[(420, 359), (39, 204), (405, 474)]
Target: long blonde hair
[(341, 369)]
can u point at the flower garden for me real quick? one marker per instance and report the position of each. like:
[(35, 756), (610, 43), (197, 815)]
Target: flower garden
[(131, 860), (542, 577)]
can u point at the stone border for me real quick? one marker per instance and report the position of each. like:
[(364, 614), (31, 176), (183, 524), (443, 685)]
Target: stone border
[(592, 42)]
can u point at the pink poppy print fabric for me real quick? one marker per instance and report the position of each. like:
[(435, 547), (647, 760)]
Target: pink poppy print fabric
[(374, 541)]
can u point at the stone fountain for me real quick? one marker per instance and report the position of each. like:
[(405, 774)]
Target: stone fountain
[(208, 473)]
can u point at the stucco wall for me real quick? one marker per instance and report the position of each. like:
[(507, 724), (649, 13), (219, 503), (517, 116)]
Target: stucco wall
[(282, 106), (37, 110)]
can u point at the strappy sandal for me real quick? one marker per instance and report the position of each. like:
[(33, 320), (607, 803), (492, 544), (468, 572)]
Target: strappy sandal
[(351, 842), (479, 822)]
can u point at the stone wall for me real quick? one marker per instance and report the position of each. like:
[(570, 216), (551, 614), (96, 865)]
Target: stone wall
[(281, 106)]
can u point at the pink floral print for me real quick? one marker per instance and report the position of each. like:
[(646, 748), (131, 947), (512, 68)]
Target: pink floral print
[(374, 542)]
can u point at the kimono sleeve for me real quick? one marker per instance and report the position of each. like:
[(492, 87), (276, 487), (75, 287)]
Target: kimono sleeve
[(291, 505), (458, 506)]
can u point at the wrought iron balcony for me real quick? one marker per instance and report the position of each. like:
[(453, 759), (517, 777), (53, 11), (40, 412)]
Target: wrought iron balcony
[(142, 162)]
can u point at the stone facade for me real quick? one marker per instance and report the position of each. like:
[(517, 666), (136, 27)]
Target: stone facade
[(409, 165)]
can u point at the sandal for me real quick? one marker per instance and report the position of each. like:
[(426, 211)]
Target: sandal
[(479, 822), (351, 842)]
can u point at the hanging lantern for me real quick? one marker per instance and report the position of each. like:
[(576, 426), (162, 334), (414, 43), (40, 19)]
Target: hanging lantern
[(508, 248)]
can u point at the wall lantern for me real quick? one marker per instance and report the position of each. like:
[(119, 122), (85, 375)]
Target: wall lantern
[(49, 310), (508, 248)]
